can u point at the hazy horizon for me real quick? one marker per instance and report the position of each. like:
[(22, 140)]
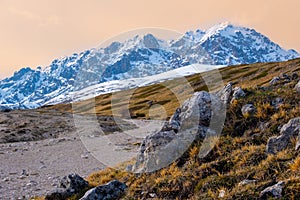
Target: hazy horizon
[(36, 32)]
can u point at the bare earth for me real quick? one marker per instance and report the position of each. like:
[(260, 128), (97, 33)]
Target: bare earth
[(39, 147)]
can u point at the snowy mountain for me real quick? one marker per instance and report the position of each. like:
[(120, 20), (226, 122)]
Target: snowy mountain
[(138, 57)]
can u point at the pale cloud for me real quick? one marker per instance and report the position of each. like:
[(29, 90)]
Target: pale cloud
[(34, 17)]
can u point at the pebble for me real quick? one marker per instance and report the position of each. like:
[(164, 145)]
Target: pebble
[(84, 156), (6, 179)]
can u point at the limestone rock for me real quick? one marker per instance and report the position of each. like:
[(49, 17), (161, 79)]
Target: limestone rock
[(110, 191), (237, 93), (69, 185), (224, 94), (275, 80), (289, 130), (274, 191), (248, 109), (190, 122), (277, 102), (246, 182)]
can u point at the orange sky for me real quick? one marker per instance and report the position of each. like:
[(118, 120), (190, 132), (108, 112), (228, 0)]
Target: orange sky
[(34, 32)]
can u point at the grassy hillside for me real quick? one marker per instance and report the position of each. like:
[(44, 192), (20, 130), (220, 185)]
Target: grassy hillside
[(243, 75), (240, 152)]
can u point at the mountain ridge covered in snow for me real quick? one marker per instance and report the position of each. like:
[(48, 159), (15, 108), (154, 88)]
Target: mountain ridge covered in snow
[(137, 57)]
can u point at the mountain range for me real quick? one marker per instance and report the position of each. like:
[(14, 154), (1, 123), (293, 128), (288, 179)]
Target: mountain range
[(141, 56)]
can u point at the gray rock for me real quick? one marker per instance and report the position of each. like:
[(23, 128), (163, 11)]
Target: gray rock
[(275, 80), (237, 93), (225, 93), (297, 87), (277, 102), (69, 185), (289, 130), (295, 76), (189, 123), (274, 191), (246, 182), (286, 78), (248, 109), (222, 194), (110, 191)]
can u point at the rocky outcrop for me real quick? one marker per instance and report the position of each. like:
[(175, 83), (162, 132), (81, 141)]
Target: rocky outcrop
[(190, 122), (273, 191), (289, 130), (110, 191), (69, 185), (248, 110)]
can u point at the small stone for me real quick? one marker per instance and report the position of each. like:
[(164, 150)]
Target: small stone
[(277, 102), (248, 109), (274, 191), (221, 194), (112, 190), (6, 179), (275, 80), (24, 173), (43, 167), (246, 182), (84, 156), (152, 195)]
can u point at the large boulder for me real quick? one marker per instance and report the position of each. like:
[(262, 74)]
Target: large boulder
[(69, 185), (190, 122), (248, 110), (288, 131), (273, 191), (110, 191)]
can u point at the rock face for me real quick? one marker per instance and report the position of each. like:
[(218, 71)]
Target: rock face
[(289, 130), (248, 109), (297, 87), (190, 122), (69, 185), (110, 191), (274, 191)]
